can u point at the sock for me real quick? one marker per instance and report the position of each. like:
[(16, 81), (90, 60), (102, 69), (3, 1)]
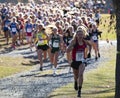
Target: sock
[(54, 69), (79, 88)]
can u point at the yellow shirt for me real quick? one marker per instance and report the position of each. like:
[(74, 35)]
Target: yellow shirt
[(40, 37)]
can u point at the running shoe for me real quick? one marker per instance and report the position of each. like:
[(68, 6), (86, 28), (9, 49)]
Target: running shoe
[(31, 49), (69, 70), (41, 69), (96, 58), (79, 94), (45, 60), (13, 46), (89, 55), (54, 74), (75, 85), (99, 55), (51, 65)]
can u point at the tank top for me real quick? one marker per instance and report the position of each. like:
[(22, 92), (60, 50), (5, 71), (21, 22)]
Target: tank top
[(6, 23), (94, 35), (55, 41), (41, 36), (13, 27), (29, 28), (78, 52)]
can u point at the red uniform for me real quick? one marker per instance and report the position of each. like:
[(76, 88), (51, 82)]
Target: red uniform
[(78, 49), (78, 54)]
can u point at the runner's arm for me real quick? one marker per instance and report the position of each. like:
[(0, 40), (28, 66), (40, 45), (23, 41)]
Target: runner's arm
[(61, 42), (71, 45)]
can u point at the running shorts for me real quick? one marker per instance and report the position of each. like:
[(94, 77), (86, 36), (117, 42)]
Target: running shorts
[(43, 47), (76, 64), (53, 50)]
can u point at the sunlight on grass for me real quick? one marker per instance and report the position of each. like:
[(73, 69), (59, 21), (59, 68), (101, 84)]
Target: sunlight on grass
[(11, 65), (107, 26), (98, 83), (102, 80)]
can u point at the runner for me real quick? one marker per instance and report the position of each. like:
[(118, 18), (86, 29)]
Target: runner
[(77, 46), (95, 40), (56, 45), (67, 40), (59, 27), (6, 28), (29, 32), (20, 21), (41, 43), (14, 31)]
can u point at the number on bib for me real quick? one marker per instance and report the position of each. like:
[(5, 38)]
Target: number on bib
[(6, 25), (14, 30), (55, 44), (29, 30), (69, 41), (40, 42), (94, 37), (79, 56)]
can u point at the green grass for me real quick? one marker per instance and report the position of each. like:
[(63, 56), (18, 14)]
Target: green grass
[(12, 65), (102, 81), (109, 31), (98, 83)]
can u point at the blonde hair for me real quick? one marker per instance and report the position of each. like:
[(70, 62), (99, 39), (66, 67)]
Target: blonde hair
[(82, 29)]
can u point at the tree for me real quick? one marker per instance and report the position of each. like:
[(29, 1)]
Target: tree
[(117, 74)]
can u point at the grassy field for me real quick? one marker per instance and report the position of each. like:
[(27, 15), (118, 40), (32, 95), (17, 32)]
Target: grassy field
[(98, 83), (11, 65), (107, 26)]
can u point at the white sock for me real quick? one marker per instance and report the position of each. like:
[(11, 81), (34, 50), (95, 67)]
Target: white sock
[(54, 69)]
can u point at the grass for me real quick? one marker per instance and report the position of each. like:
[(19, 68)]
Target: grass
[(109, 31), (12, 65), (98, 83)]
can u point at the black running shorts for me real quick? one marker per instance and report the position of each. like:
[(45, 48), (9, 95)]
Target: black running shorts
[(76, 64)]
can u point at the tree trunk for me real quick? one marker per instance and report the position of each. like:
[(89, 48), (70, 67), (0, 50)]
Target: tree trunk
[(117, 78)]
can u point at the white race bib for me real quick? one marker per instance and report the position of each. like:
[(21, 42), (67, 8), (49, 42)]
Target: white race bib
[(94, 37), (14, 30), (29, 30), (6, 25), (56, 44), (40, 42), (69, 41), (50, 42), (79, 56)]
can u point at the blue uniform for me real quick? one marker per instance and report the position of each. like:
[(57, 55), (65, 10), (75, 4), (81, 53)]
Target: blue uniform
[(28, 28), (6, 25), (13, 28)]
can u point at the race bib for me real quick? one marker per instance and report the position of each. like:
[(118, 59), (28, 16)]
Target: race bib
[(6, 25), (79, 56), (40, 42), (69, 41), (14, 29), (29, 30), (94, 37), (50, 42), (55, 44)]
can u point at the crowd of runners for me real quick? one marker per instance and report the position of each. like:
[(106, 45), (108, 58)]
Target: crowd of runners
[(60, 26)]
